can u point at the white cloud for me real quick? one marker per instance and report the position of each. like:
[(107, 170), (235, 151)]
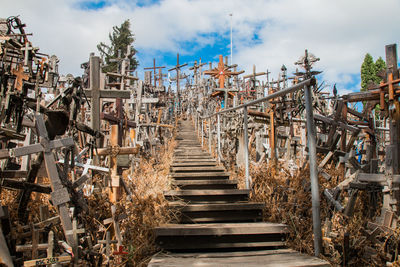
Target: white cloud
[(339, 32)]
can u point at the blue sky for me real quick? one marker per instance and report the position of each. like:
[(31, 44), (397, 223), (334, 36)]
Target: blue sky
[(266, 33)]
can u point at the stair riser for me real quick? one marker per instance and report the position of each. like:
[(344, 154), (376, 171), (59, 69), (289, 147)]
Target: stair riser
[(209, 198), (222, 216), (214, 242), (207, 186)]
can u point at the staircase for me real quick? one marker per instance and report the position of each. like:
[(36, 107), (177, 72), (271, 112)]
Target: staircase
[(217, 225)]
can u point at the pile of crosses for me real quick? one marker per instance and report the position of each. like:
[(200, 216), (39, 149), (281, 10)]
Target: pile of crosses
[(358, 134), (70, 138)]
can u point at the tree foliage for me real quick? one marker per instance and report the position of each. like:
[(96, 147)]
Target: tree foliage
[(370, 71), (367, 71), (120, 38)]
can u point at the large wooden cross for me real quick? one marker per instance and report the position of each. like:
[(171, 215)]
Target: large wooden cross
[(95, 93), (154, 68)]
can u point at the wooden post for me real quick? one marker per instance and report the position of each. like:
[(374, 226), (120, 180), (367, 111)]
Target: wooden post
[(94, 79)]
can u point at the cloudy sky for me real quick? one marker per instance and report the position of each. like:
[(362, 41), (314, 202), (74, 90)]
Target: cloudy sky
[(265, 33)]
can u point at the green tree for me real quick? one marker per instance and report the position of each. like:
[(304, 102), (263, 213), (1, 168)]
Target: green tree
[(120, 39), (380, 65), (368, 73)]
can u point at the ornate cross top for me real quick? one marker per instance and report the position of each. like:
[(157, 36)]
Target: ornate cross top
[(222, 72)]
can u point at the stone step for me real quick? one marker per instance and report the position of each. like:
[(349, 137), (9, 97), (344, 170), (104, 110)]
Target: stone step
[(205, 184), (218, 212), (198, 169), (220, 235), (200, 175), (208, 196)]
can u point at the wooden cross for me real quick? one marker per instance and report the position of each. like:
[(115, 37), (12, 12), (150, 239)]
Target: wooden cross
[(34, 247), (221, 72), (197, 71), (95, 93), (154, 68), (178, 77), (20, 77), (113, 152), (114, 220), (60, 196), (75, 231), (118, 119), (252, 78)]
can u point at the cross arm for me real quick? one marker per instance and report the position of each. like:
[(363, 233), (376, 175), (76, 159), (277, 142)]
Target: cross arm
[(110, 93), (122, 76), (177, 67)]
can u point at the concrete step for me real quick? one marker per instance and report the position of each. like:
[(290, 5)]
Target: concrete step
[(200, 176), (218, 212), (208, 196), (220, 235), (198, 169), (205, 184)]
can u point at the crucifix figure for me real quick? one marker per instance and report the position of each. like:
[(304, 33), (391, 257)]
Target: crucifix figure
[(222, 72)]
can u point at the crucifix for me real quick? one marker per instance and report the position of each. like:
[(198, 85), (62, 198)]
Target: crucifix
[(154, 68), (178, 78), (114, 151), (222, 72)]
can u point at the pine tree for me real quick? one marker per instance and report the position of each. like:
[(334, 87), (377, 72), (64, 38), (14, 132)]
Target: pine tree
[(380, 65), (368, 73), (120, 39)]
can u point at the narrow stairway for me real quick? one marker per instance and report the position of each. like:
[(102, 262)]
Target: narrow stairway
[(217, 225)]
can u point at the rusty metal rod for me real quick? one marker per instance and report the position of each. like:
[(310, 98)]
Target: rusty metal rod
[(283, 92), (218, 137)]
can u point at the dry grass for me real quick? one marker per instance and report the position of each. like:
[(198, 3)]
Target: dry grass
[(288, 200)]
